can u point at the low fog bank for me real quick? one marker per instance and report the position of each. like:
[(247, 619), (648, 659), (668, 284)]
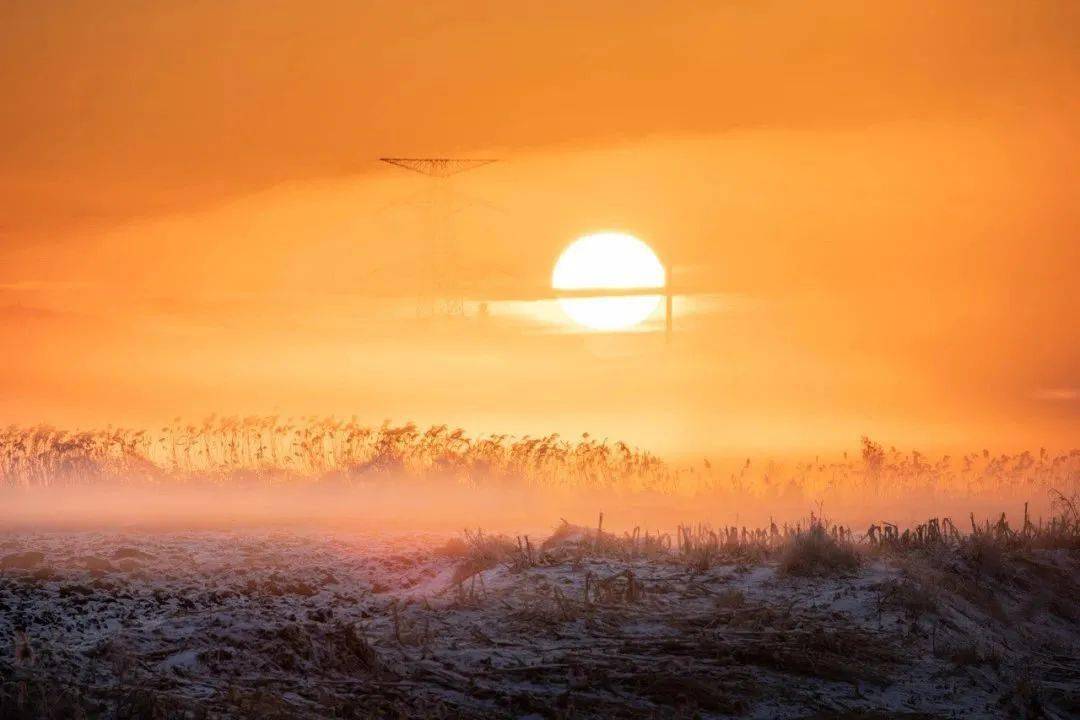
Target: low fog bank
[(440, 507), (229, 472)]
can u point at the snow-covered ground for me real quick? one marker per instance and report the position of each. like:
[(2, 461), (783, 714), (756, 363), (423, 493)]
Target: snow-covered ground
[(320, 624)]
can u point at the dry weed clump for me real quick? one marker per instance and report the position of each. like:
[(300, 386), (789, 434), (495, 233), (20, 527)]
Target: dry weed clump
[(479, 552), (985, 543), (818, 552), (700, 547), (575, 542), (820, 549)]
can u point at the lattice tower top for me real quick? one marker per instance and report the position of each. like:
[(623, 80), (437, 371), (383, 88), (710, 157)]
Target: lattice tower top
[(438, 167)]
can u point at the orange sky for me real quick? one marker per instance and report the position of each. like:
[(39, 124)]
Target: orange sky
[(872, 212)]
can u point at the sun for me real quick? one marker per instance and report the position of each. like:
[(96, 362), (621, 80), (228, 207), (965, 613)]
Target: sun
[(603, 261)]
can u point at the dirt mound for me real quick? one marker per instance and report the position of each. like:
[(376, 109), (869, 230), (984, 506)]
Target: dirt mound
[(21, 561)]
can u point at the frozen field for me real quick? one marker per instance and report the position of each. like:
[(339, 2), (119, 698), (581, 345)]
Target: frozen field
[(282, 624)]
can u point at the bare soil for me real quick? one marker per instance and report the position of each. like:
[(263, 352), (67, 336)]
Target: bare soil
[(297, 624)]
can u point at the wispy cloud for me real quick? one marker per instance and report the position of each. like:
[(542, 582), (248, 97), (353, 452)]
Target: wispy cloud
[(29, 313), (1058, 394), (38, 285)]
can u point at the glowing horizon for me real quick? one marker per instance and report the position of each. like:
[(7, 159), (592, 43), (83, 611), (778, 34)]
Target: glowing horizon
[(877, 244)]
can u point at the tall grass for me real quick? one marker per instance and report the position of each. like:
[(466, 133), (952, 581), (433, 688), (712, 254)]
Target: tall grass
[(880, 473), (272, 451)]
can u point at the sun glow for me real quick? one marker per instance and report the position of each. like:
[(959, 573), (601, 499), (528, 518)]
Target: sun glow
[(603, 261)]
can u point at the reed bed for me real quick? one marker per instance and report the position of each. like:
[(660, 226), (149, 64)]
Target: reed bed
[(273, 451), (881, 473)]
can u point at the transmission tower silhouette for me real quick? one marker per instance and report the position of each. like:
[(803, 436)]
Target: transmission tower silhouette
[(444, 296)]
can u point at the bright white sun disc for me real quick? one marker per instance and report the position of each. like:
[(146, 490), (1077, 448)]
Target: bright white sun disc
[(608, 260)]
